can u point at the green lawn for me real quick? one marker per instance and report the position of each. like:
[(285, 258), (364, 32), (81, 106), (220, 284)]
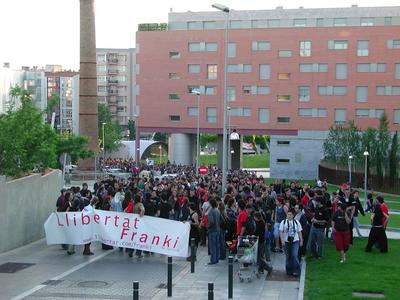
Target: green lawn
[(327, 279), (249, 161), (394, 220)]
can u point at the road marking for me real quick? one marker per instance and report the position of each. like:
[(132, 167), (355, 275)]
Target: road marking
[(66, 273)]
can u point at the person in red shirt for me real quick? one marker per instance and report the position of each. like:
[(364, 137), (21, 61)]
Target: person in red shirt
[(242, 218), (305, 198), (385, 211)]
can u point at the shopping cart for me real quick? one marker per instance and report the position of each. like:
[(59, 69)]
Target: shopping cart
[(247, 257)]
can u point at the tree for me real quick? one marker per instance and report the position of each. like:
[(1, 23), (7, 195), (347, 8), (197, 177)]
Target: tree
[(393, 162), (382, 146), (112, 130), (132, 130), (75, 146), (206, 138), (160, 137)]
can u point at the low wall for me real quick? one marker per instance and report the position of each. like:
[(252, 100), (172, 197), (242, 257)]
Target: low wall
[(25, 204)]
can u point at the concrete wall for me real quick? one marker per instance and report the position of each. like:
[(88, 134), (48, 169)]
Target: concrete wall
[(181, 148), (304, 152), (25, 205)]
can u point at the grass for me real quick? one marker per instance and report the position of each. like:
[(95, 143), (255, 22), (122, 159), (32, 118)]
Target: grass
[(327, 279), (249, 161), (394, 220)]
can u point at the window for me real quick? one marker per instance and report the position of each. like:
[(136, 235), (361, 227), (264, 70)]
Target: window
[(283, 143), (362, 48), (362, 113), (246, 89), (209, 25), (212, 72), (371, 67), (201, 46), (305, 112), (240, 112), (174, 76), (194, 25), (211, 114), (304, 93), (339, 22), (264, 72), (193, 68), (283, 76), (312, 112), (282, 161), (236, 24), (240, 68), (299, 22), (261, 46), (362, 93), (174, 55), (263, 115), (340, 116), (263, 90), (337, 44), (369, 113), (274, 23), (341, 71), (315, 68), (192, 111), (210, 90), (397, 71), (192, 88), (332, 90), (396, 116), (388, 90), (393, 44), (231, 93), (211, 47), (320, 22), (388, 20), (174, 97), (174, 118), (305, 48), (367, 22), (101, 58), (231, 50), (283, 120), (283, 98), (284, 53)]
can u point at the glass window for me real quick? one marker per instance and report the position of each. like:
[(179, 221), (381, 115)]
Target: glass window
[(283, 120), (174, 76), (101, 57), (362, 93), (231, 93), (211, 46), (371, 67), (231, 50), (284, 76), (194, 25), (211, 114), (304, 93), (362, 113), (396, 116), (174, 118), (192, 88), (397, 71), (274, 23), (305, 48), (212, 72), (320, 22), (174, 97), (341, 71), (236, 24), (393, 44), (306, 68), (284, 53), (259, 23), (209, 24), (264, 71), (246, 89), (193, 68), (263, 115), (305, 112), (367, 22), (338, 45), (283, 98), (246, 68), (263, 90), (194, 47), (339, 90), (261, 46), (232, 68), (340, 116), (363, 67), (339, 22), (299, 22), (210, 90), (388, 20), (362, 48), (192, 111)]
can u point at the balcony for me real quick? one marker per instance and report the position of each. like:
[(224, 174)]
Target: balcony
[(112, 92), (112, 71), (112, 81), (112, 60)]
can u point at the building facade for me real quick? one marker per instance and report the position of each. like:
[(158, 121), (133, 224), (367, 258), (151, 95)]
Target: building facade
[(116, 82), (291, 73)]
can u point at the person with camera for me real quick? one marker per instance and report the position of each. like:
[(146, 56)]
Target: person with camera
[(291, 237)]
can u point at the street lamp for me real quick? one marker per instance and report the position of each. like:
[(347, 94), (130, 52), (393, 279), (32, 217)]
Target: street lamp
[(350, 158), (197, 92), (160, 147), (228, 108), (365, 177), (104, 145), (226, 10)]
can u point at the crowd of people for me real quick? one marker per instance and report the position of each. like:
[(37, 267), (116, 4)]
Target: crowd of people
[(286, 218)]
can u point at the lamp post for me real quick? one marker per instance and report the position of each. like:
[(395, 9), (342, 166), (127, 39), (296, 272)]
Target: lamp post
[(160, 147), (229, 156), (226, 10), (104, 145), (350, 158), (197, 92), (365, 177)]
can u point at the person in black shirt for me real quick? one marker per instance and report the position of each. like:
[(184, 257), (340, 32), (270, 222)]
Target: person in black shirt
[(164, 207), (341, 230), (377, 233), (350, 203), (318, 225)]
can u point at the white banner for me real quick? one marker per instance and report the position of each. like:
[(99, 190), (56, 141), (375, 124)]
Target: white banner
[(119, 230)]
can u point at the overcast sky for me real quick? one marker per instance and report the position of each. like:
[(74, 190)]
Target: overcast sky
[(39, 32)]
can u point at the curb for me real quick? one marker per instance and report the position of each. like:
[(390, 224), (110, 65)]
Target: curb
[(300, 295)]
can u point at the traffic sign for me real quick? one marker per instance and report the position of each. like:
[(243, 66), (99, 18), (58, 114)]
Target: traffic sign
[(203, 170)]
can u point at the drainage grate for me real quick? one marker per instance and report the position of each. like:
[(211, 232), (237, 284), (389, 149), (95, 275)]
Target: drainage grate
[(161, 286), (93, 284), (52, 282), (12, 267), (371, 295)]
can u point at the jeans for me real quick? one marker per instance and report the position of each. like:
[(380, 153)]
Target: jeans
[(316, 241), (222, 245), (357, 225), (292, 260), (213, 241)]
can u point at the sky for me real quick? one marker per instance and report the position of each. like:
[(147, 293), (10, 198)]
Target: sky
[(40, 32)]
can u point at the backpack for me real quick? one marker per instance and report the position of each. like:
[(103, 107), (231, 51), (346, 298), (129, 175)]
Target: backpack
[(250, 225)]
